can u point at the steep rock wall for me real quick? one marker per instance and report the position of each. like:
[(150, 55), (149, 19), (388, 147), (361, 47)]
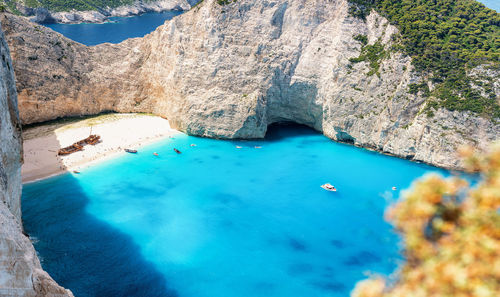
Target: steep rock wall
[(20, 270), (230, 71)]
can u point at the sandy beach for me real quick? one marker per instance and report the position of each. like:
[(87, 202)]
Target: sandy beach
[(117, 131)]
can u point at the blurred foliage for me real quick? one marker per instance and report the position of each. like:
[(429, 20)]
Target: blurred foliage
[(445, 39), (452, 236)]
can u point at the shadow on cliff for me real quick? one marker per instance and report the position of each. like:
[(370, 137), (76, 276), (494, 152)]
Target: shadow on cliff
[(82, 253)]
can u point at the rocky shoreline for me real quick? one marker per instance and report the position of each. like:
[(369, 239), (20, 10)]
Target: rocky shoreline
[(43, 15)]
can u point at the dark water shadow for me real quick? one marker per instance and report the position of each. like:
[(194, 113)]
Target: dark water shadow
[(82, 253), (282, 130)]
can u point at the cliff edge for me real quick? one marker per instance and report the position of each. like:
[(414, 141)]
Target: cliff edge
[(20, 270), (229, 71)]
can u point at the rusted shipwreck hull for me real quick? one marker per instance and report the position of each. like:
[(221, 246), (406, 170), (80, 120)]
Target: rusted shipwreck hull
[(78, 146)]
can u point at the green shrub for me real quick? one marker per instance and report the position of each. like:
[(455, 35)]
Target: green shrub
[(32, 3), (372, 54), (415, 88), (80, 5), (361, 8), (361, 38), (225, 2), (446, 38)]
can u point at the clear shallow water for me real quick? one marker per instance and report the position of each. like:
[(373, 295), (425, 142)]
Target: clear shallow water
[(119, 29), (217, 221)]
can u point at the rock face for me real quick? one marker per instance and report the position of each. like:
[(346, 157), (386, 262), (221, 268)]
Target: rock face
[(20, 270), (42, 15), (230, 71)]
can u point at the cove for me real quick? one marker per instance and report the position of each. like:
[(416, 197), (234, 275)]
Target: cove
[(116, 30), (221, 221)]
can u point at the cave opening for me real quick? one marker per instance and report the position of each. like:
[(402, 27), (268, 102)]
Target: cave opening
[(284, 129)]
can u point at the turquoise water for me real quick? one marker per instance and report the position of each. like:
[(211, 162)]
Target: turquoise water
[(115, 31), (217, 221)]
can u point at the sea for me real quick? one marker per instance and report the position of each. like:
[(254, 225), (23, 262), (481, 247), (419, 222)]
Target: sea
[(222, 218), (116, 30)]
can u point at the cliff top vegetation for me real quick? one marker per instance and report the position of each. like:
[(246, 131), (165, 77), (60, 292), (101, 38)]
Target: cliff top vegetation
[(67, 5), (446, 39)]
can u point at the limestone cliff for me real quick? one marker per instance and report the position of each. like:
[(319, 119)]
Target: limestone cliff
[(229, 71), (20, 270)]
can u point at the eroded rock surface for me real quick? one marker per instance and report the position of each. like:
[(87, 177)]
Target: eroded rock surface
[(230, 71), (20, 270)]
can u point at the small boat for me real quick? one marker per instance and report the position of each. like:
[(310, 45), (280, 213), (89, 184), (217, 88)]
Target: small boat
[(76, 171), (131, 151), (257, 147), (192, 144), (394, 188), (155, 153), (177, 151), (238, 147), (329, 187)]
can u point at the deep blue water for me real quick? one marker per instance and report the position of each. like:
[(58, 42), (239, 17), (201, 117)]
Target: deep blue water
[(218, 221), (119, 29)]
